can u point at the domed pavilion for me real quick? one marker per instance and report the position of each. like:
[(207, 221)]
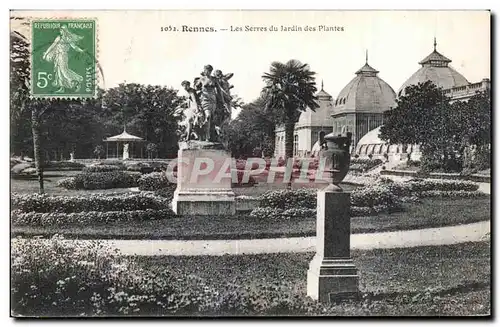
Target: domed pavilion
[(435, 68), (361, 104)]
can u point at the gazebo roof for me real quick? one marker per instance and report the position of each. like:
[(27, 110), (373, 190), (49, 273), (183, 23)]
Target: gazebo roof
[(124, 137)]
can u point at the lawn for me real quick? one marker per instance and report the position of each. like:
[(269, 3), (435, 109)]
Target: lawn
[(433, 280), (432, 212), (30, 185), (446, 280)]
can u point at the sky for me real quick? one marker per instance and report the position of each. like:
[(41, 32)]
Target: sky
[(132, 47)]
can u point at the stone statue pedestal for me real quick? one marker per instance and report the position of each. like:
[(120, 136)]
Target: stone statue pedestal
[(201, 189), (332, 274)]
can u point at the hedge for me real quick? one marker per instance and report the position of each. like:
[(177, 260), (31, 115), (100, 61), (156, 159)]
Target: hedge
[(268, 213), (153, 182), (100, 180), (63, 165), (364, 164), (381, 195), (19, 217), (42, 203), (101, 168), (453, 194), (287, 199)]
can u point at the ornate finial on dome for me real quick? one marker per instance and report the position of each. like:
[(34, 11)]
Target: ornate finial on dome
[(321, 84), (366, 56), (435, 43), (125, 128)]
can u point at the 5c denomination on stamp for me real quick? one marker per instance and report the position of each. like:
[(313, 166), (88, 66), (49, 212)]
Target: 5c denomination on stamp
[(63, 58)]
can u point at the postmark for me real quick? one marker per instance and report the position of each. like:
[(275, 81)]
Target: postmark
[(63, 58)]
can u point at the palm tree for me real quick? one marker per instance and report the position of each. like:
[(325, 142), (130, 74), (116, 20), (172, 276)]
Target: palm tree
[(290, 89)]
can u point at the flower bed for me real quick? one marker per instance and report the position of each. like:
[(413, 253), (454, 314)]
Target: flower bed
[(153, 182), (44, 210), (91, 280), (380, 195), (358, 164), (42, 203), (87, 217), (100, 180), (101, 168), (63, 165)]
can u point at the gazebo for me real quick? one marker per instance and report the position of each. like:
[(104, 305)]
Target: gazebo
[(127, 142)]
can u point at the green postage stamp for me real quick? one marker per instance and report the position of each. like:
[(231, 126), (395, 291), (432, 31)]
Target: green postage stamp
[(63, 58)]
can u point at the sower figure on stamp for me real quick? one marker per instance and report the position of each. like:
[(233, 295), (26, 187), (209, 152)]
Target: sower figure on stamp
[(193, 113), (64, 77)]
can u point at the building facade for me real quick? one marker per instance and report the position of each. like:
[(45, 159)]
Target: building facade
[(308, 128), (361, 104), (435, 67), (359, 108)]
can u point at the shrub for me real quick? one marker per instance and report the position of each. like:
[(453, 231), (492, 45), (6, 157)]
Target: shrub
[(106, 180), (153, 182), (63, 165), (287, 199), (299, 213), (364, 164), (87, 217), (42, 203), (453, 194), (374, 195), (78, 280), (167, 192), (269, 213), (67, 183), (91, 279), (101, 168), (266, 213)]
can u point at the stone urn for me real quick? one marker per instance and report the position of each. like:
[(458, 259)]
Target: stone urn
[(335, 153)]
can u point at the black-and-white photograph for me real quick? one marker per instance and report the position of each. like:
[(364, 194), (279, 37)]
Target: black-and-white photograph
[(233, 163)]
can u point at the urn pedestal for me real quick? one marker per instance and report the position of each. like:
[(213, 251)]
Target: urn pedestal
[(201, 187), (332, 274)]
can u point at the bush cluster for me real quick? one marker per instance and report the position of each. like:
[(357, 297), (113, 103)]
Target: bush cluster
[(101, 168), (90, 279), (377, 196), (42, 203), (453, 194), (87, 217), (153, 182), (63, 165), (44, 210), (100, 180), (287, 199), (364, 164), (269, 213)]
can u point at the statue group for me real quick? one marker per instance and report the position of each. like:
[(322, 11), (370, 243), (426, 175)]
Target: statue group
[(208, 106)]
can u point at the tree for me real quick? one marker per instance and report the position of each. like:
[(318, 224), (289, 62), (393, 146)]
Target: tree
[(98, 151), (145, 110), (425, 116), (474, 128), (151, 150), (21, 105), (252, 128), (290, 89)]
